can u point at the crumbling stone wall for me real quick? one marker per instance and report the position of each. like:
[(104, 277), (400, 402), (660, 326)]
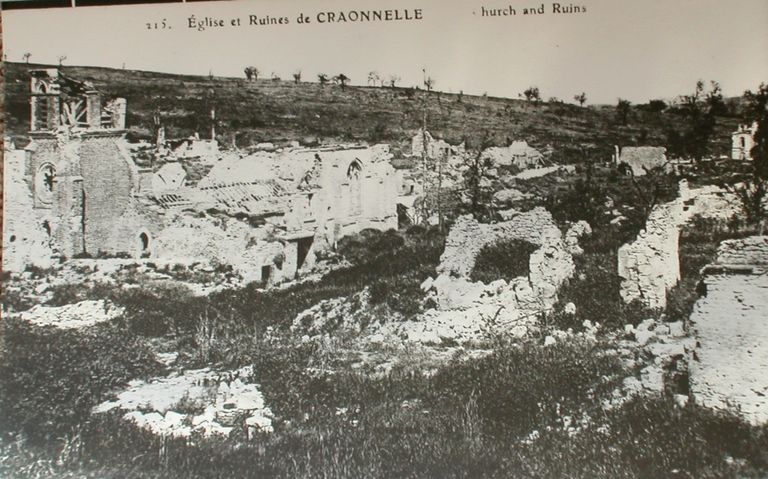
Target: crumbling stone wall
[(25, 242), (223, 241), (650, 265), (468, 237), (469, 310), (730, 365), (109, 182)]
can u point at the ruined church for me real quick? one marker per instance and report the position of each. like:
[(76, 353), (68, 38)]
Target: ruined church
[(75, 190)]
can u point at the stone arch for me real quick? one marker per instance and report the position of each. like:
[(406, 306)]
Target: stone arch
[(144, 244)]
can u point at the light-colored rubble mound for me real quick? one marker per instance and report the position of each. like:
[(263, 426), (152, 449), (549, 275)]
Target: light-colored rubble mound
[(73, 316), (470, 311), (730, 368), (201, 401)]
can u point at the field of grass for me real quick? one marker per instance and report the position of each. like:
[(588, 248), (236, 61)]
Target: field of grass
[(522, 411), (266, 110)]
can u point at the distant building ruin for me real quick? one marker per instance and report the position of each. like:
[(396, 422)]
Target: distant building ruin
[(641, 159), (518, 154), (742, 142)]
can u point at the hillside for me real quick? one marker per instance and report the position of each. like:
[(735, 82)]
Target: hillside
[(266, 110)]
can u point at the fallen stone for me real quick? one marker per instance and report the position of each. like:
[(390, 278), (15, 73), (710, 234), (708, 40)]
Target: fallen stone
[(676, 329), (681, 400), (642, 336), (652, 379), (222, 395)]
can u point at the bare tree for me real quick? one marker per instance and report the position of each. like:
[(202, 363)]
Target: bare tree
[(341, 79), (61, 59), (532, 94), (26, 57), (429, 83), (297, 77), (374, 78), (393, 79), (322, 78), (581, 98)]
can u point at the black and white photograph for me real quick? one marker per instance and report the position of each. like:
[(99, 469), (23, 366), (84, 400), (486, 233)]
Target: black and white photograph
[(384, 239)]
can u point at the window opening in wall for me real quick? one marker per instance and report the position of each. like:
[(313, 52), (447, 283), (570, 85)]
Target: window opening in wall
[(47, 227), (266, 273), (304, 245)]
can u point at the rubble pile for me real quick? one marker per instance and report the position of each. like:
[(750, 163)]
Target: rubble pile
[(73, 316), (202, 401)]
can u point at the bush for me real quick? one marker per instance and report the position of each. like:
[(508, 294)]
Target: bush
[(505, 259), (368, 244)]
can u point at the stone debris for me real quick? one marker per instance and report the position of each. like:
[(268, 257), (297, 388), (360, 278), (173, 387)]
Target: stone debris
[(73, 316), (519, 154), (201, 401), (577, 231), (509, 196), (331, 315), (657, 354)]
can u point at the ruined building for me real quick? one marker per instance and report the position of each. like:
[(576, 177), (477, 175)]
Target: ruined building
[(641, 159), (742, 142), (730, 361), (76, 190), (302, 201)]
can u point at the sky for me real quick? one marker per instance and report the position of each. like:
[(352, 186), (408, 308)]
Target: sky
[(632, 49)]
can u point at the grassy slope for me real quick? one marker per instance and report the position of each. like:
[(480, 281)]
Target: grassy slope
[(270, 110)]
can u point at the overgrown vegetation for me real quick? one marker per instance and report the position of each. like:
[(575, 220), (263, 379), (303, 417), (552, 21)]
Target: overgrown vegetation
[(474, 418), (50, 378), (506, 259)]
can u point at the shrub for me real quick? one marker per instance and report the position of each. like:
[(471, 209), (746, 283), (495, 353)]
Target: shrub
[(505, 259)]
